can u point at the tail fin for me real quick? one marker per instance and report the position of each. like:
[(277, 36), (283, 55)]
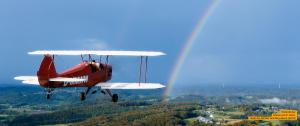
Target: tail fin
[(47, 69)]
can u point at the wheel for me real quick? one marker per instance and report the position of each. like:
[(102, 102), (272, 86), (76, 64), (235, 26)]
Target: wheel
[(82, 96), (115, 98), (48, 96)]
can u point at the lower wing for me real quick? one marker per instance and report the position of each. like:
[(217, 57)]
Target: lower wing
[(130, 85)]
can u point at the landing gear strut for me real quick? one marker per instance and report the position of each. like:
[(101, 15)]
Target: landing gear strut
[(114, 97), (83, 94)]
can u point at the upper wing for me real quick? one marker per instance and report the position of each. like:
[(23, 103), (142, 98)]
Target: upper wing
[(28, 79), (130, 85), (34, 80), (108, 53)]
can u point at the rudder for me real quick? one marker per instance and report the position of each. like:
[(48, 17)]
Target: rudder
[(47, 69)]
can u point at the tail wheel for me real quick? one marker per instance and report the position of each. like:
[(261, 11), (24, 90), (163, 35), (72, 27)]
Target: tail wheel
[(82, 96), (48, 93), (115, 98), (48, 96)]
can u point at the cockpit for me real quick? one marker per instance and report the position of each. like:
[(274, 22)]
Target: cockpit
[(96, 66)]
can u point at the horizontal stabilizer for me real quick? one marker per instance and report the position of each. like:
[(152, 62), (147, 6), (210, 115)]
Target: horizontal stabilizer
[(28, 79), (130, 85), (89, 52), (33, 82)]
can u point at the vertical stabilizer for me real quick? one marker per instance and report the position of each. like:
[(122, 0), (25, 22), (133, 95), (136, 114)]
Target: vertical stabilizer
[(47, 70)]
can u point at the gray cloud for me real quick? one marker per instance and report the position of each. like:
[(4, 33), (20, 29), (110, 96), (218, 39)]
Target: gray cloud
[(273, 100)]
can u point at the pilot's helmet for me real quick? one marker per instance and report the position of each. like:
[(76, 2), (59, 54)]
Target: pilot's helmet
[(92, 62), (98, 65)]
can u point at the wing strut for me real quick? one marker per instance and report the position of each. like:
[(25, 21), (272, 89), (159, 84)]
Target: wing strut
[(106, 63), (81, 57), (141, 69), (107, 59), (100, 58), (90, 58), (146, 69)]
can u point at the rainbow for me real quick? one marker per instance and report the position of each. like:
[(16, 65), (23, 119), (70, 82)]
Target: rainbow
[(187, 46)]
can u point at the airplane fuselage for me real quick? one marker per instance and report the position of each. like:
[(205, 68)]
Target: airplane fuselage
[(92, 73)]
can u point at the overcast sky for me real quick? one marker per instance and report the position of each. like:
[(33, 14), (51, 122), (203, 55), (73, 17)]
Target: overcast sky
[(246, 41)]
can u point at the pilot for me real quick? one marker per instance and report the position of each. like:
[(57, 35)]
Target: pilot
[(93, 66), (93, 62)]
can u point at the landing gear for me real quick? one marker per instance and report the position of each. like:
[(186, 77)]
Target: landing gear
[(84, 94), (114, 98), (48, 96), (48, 93)]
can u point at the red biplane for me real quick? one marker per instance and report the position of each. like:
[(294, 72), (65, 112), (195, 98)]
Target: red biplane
[(88, 73)]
